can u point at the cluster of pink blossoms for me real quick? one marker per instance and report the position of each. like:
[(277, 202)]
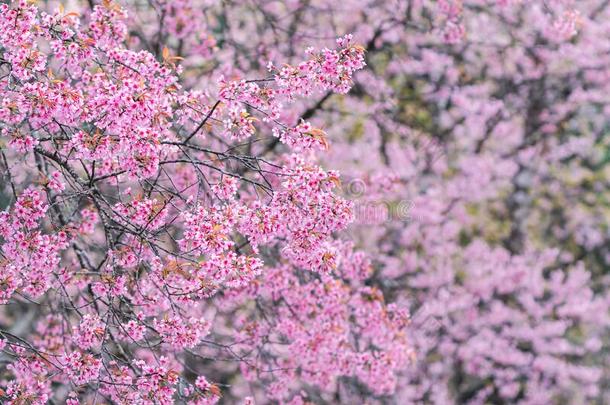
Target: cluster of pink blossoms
[(328, 70), (147, 218)]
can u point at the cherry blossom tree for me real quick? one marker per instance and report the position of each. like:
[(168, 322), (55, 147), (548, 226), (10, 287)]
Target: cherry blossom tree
[(175, 228), (135, 207)]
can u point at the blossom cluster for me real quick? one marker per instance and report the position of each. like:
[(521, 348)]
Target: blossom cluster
[(128, 219)]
